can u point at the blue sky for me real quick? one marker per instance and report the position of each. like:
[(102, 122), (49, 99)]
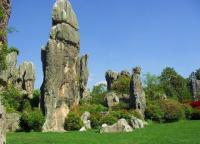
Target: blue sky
[(116, 34)]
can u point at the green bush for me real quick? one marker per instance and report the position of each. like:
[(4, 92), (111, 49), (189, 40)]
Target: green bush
[(35, 99), (12, 99), (195, 114), (73, 122), (95, 119), (188, 111), (173, 110), (121, 85), (108, 119), (122, 105), (32, 120), (153, 111), (92, 108)]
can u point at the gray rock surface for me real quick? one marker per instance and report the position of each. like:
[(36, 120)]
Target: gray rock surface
[(84, 74), (137, 95), (195, 87), (110, 78), (136, 123), (9, 75), (121, 126), (111, 99), (26, 78), (3, 125), (86, 120), (23, 78), (63, 78), (13, 120)]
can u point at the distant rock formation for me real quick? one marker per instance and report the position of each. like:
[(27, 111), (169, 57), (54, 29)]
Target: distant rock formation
[(137, 95), (111, 99), (3, 125), (84, 74), (23, 78), (195, 86), (110, 78), (65, 73), (121, 126)]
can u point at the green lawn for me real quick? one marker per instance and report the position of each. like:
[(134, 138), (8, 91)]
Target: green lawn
[(184, 132)]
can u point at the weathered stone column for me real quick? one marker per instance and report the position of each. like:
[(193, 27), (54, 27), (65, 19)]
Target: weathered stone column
[(3, 125), (137, 95), (61, 66)]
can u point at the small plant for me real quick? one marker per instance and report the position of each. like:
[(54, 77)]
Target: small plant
[(32, 120), (73, 122)]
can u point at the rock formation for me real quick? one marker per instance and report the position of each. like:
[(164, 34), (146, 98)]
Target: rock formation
[(65, 73), (137, 123), (121, 126), (137, 95), (110, 78), (13, 120), (84, 74), (3, 125), (111, 99), (23, 78), (86, 121), (195, 87)]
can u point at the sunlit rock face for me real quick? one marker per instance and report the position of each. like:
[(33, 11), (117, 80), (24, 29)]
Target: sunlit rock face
[(3, 125), (137, 95), (61, 60)]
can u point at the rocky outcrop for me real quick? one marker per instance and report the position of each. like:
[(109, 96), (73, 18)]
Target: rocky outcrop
[(9, 75), (65, 73), (137, 95), (137, 123), (26, 78), (110, 78), (121, 126), (84, 74), (23, 78), (12, 122), (3, 125), (86, 121), (195, 87), (111, 99)]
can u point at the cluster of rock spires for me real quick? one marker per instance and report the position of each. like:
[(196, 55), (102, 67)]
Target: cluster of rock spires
[(23, 78), (136, 97), (65, 72)]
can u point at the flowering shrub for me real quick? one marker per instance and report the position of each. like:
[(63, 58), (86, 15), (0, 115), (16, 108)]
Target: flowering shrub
[(196, 105)]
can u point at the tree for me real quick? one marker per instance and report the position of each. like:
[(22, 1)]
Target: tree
[(97, 93), (152, 87), (174, 85)]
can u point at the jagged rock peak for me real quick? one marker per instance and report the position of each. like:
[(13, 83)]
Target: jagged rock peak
[(64, 13)]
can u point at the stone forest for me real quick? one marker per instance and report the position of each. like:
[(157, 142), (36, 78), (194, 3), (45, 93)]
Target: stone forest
[(127, 102)]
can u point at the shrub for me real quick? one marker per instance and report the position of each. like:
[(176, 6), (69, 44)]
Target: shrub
[(12, 99), (73, 122), (154, 112), (122, 84), (92, 108), (195, 114), (32, 120), (108, 119), (173, 110), (122, 105), (95, 119), (35, 99), (188, 111), (195, 104)]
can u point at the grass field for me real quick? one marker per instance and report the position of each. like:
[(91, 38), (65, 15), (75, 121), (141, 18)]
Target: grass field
[(184, 132)]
